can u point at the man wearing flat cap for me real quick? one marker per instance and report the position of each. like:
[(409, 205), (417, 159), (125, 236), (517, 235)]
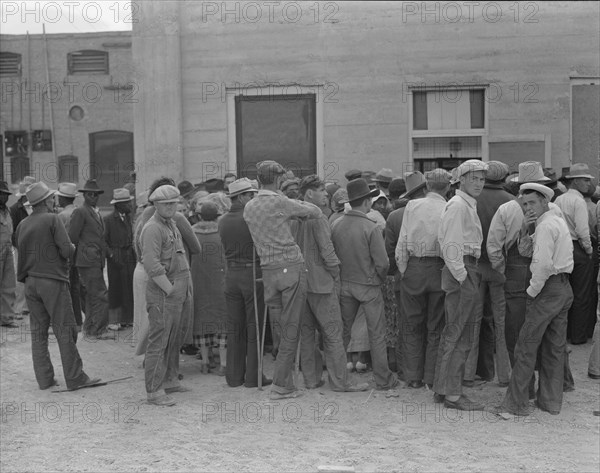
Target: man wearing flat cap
[(549, 297), (87, 233), (44, 251), (268, 217), (118, 233), (490, 338), (419, 260), (460, 237), (574, 209), (7, 265), (168, 296)]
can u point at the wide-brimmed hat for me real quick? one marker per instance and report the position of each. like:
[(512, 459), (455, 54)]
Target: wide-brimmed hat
[(497, 171), (121, 195), (67, 189), (187, 189), (91, 186), (579, 170), (240, 186), (165, 194), (24, 184), (37, 192), (415, 181), (4, 188), (541, 188), (358, 189), (353, 174), (530, 171), (384, 175)]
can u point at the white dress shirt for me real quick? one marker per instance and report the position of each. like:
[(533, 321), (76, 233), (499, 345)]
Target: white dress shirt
[(575, 211)]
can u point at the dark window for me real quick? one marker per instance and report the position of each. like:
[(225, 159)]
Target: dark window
[(19, 168), (16, 143), (476, 100), (68, 169), (87, 62), (10, 64), (420, 110), (42, 140), (277, 127)]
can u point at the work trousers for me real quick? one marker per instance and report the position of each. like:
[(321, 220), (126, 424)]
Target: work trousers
[(421, 317), (545, 329), (354, 296), (49, 304), (20, 304), (243, 338), (166, 331), (285, 295), (96, 300), (582, 283), (461, 307), (322, 313), (8, 280), (594, 363)]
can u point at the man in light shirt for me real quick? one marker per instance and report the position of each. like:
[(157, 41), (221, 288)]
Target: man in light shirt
[(460, 237), (420, 264), (575, 211), (544, 333)]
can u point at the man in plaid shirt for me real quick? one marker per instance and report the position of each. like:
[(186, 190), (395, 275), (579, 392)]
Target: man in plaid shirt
[(283, 269)]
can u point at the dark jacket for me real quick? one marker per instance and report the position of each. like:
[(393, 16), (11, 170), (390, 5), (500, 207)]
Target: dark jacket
[(17, 214), (238, 245), (87, 233), (118, 235)]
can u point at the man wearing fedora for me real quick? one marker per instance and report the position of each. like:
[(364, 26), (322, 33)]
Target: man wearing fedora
[(382, 180), (7, 266), (121, 260), (44, 251), (359, 245), (549, 297), (67, 191), (188, 191), (460, 237), (268, 217), (241, 288), (420, 264), (575, 211), (87, 233), (490, 338)]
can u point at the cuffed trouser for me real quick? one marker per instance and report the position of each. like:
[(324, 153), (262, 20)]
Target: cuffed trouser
[(461, 306), (352, 297), (594, 363), (242, 341), (285, 295), (582, 284), (166, 331), (96, 300), (493, 310), (322, 313), (421, 317), (49, 304), (8, 280), (545, 328)]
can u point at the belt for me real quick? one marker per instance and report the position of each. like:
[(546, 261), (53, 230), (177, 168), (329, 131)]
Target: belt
[(234, 264), (470, 259)]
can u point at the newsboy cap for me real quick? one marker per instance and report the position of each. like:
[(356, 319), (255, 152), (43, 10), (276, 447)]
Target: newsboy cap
[(165, 195)]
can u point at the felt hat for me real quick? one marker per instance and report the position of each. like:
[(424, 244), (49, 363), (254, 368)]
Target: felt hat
[(37, 192), (579, 170), (240, 186), (186, 189), (214, 185), (165, 195), (542, 189), (358, 188), (415, 181), (384, 175), (121, 195), (4, 188), (91, 186), (530, 171), (67, 189)]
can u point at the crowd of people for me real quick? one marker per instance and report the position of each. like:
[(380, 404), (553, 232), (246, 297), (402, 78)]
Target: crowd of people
[(439, 280)]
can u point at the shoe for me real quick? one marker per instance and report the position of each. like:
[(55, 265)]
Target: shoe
[(438, 398), (429, 386), (415, 384), (541, 408), (204, 368), (265, 382), (221, 371), (568, 389), (90, 383), (177, 389), (350, 367), (163, 400), (189, 350), (356, 388), (503, 384), (53, 383), (468, 383), (114, 327), (275, 396), (463, 404), (393, 385), (361, 367), (579, 342), (593, 376), (315, 386)]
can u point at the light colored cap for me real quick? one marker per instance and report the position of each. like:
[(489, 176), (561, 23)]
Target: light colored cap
[(530, 171), (579, 170), (497, 171), (67, 189), (37, 192), (240, 186), (384, 175), (438, 175), (541, 188), (165, 194), (121, 195), (471, 165)]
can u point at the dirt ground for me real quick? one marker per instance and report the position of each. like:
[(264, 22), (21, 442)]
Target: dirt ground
[(217, 428)]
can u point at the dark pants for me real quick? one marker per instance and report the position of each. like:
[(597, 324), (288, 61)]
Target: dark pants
[(462, 304), (166, 331), (354, 296), (322, 313), (285, 295), (75, 291), (49, 304), (96, 300), (421, 317), (8, 282), (517, 280), (243, 337), (545, 328), (582, 283)]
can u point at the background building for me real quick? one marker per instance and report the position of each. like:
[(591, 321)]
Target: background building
[(67, 108), (329, 86)]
